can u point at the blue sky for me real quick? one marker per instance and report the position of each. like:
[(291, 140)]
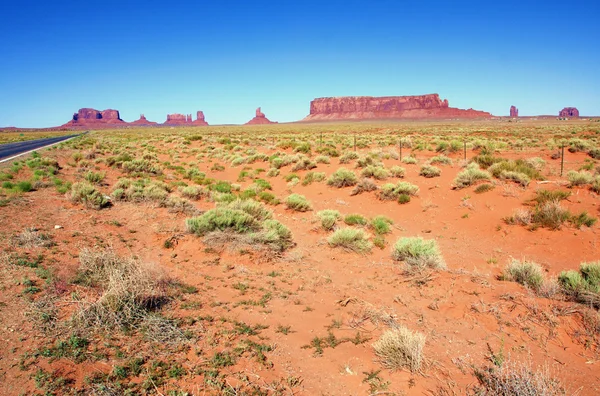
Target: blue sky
[(229, 57)]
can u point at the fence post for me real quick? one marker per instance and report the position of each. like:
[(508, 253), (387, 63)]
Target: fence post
[(355, 142), (562, 159), (465, 150), (400, 144)]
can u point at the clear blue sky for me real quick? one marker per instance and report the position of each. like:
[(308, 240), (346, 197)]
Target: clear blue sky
[(229, 57)]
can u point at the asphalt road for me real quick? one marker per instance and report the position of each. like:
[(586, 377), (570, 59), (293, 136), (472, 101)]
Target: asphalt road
[(11, 149)]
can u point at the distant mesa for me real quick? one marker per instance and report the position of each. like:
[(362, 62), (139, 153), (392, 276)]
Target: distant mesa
[(180, 119), (91, 117), (143, 121), (260, 118), (369, 107), (569, 112), (514, 112)]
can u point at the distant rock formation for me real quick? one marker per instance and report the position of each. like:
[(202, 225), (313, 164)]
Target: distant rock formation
[(514, 112), (369, 107), (88, 117), (259, 118), (143, 121), (569, 112), (180, 119)]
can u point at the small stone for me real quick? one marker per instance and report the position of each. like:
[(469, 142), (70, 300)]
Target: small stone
[(58, 227)]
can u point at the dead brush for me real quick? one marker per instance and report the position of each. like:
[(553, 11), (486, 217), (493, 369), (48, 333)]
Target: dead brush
[(400, 348), (32, 238), (512, 378), (129, 290)]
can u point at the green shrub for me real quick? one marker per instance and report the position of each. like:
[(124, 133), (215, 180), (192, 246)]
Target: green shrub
[(347, 157), (364, 185), (409, 160), (328, 218), (397, 171), (140, 166), (350, 238), (94, 178), (543, 196), (221, 219), (311, 177), (376, 172), (355, 219), (430, 171), (579, 178), (342, 178), (298, 202), (87, 194), (403, 199), (381, 225), (418, 253), (518, 177), (550, 215), (583, 219), (470, 175), (480, 189), (392, 192), (526, 273), (518, 166), (441, 159), (268, 198)]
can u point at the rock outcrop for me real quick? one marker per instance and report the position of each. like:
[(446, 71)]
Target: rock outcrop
[(143, 121), (260, 118), (569, 112), (181, 119), (514, 112), (369, 107)]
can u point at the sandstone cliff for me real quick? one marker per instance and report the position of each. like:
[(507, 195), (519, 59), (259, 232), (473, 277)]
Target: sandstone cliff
[(368, 107), (514, 112), (93, 117), (259, 118), (569, 112)]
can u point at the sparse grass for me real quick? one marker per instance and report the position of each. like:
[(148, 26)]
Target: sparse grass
[(583, 285), (441, 159), (94, 177), (391, 192), (398, 171), (579, 178), (381, 225), (298, 203), (349, 238), (364, 185), (430, 171), (418, 253), (526, 273), (355, 219), (400, 348), (482, 188), (470, 176)]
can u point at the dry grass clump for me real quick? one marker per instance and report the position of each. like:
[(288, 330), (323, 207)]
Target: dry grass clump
[(342, 178), (579, 178), (430, 171), (129, 290), (376, 172), (527, 273), (517, 379), (32, 238), (583, 285), (364, 185), (400, 348), (349, 238), (87, 194), (397, 171), (328, 218), (418, 253), (298, 202), (142, 166), (391, 192)]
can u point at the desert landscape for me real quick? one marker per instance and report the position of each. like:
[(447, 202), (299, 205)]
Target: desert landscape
[(440, 257)]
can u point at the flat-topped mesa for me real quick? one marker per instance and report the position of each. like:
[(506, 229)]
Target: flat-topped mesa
[(514, 112), (569, 112), (91, 117), (260, 118), (369, 107)]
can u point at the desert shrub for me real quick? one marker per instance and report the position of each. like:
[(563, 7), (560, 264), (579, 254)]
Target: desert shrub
[(355, 219), (409, 160), (342, 178), (268, 198), (429, 171), (542, 196), (221, 219), (291, 176), (312, 177), (22, 186), (322, 159), (595, 187), (518, 166), (350, 238), (418, 253), (536, 162), (583, 285), (400, 348), (273, 172), (328, 218), (304, 164), (403, 199), (480, 189), (376, 172), (594, 153), (87, 194), (367, 160), (192, 192), (364, 185), (520, 217), (550, 215), (381, 225), (486, 160), (526, 273), (298, 202), (130, 290), (179, 205), (347, 157), (30, 238), (255, 209), (517, 177), (94, 177), (397, 171), (579, 178), (140, 166), (441, 159), (515, 379), (391, 192), (470, 175), (583, 219)]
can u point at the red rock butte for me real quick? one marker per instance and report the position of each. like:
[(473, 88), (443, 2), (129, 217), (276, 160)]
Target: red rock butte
[(180, 119), (260, 118), (514, 112), (569, 112), (89, 117), (369, 107), (95, 119)]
